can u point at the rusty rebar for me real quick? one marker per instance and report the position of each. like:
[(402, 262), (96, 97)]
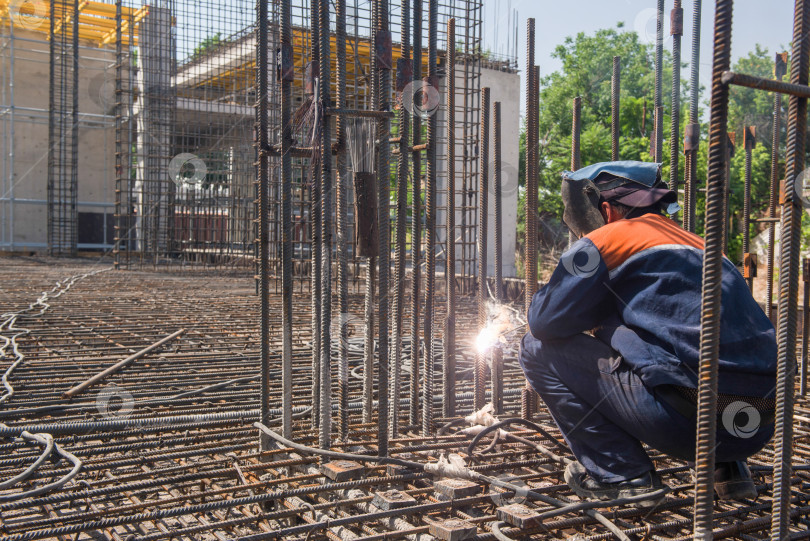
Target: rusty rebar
[(658, 135), (692, 130), (381, 102), (790, 247), (401, 219), (430, 223), (712, 278), (615, 93), (342, 225), (483, 218), (676, 30), (449, 372), (416, 223), (749, 142), (780, 66)]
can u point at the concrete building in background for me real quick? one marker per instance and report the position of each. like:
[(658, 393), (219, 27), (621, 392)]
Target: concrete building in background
[(175, 110)]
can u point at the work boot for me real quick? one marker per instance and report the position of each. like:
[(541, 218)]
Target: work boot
[(732, 481), (587, 487)]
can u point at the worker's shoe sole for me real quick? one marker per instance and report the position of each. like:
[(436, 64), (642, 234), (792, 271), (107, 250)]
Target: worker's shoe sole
[(589, 488), (732, 481)]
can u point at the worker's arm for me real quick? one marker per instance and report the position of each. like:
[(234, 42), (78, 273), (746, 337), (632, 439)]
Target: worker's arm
[(577, 297)]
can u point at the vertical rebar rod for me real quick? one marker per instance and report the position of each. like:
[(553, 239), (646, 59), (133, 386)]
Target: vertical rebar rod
[(416, 224), (483, 195), (712, 278), (576, 157), (690, 165), (342, 226), (805, 325), (530, 285), (576, 130), (430, 220), (325, 150), (748, 144), (119, 147), (496, 126), (368, 343), (530, 249), (449, 372), (382, 103), (789, 274), (401, 218), (676, 30), (615, 93), (286, 218), (658, 135), (264, 222), (780, 64), (315, 222), (496, 358)]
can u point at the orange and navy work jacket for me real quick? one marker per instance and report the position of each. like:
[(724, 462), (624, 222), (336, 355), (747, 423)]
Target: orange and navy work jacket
[(636, 283)]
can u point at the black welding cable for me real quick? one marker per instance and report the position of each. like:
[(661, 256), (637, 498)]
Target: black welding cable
[(526, 423), (43, 439), (335, 454), (77, 465)]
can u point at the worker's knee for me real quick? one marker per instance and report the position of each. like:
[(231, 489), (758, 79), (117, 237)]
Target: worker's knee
[(535, 361)]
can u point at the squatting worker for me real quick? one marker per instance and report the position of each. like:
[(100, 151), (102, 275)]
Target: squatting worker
[(614, 343)]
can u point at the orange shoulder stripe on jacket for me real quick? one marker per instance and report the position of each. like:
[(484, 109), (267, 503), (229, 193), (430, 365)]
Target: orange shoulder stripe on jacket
[(620, 240)]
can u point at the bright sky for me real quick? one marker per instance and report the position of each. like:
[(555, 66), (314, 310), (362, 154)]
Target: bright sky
[(767, 22)]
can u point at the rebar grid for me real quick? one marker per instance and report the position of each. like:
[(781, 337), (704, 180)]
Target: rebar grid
[(171, 468)]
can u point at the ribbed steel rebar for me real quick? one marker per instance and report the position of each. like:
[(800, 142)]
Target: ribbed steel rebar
[(416, 223), (805, 326), (264, 216), (430, 221), (315, 237), (658, 143), (790, 247), (120, 179), (483, 296), (327, 193), (401, 219), (449, 372), (676, 30), (286, 226), (342, 225), (382, 103), (576, 130), (690, 164), (368, 341), (712, 278), (496, 136), (746, 240), (615, 93), (530, 249), (779, 72)]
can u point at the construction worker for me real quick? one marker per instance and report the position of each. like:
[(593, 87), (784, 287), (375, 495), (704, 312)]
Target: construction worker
[(613, 346)]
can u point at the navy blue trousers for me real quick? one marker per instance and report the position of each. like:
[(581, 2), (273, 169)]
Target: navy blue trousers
[(604, 411)]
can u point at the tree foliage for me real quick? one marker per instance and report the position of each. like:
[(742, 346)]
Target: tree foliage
[(586, 72)]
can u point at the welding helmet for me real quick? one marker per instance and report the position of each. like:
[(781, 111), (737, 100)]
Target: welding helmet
[(629, 183)]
